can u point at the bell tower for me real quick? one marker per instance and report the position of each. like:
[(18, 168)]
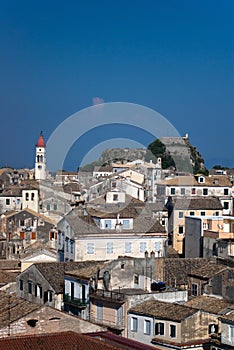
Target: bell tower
[(40, 162)]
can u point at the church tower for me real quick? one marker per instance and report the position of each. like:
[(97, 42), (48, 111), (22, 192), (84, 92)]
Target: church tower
[(40, 163)]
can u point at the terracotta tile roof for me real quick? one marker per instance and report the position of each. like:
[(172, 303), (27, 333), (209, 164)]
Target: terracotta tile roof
[(229, 317), (87, 272), (210, 304), (43, 217), (13, 308), (101, 200), (41, 141), (55, 341), (9, 265), (144, 222), (163, 310), (7, 277), (210, 181), (71, 187), (124, 343), (206, 203), (177, 269), (103, 168), (207, 270), (12, 192), (54, 271)]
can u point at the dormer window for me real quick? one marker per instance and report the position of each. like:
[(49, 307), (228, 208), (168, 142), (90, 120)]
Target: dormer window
[(201, 179)]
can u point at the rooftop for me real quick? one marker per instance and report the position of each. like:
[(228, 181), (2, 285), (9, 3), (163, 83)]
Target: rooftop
[(164, 310), (204, 203), (210, 304), (207, 270), (41, 141), (13, 308), (58, 341)]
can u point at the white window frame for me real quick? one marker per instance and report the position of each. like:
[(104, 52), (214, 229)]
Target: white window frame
[(109, 248), (134, 324), (143, 247), (90, 248), (147, 327), (128, 247)]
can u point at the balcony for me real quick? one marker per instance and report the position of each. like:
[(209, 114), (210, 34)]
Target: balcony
[(103, 294), (74, 301)]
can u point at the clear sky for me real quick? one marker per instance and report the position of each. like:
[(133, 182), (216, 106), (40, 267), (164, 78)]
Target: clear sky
[(174, 56)]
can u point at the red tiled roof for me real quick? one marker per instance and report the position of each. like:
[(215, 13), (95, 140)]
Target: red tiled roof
[(54, 341), (41, 141)]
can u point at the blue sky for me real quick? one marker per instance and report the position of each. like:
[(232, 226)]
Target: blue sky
[(174, 56)]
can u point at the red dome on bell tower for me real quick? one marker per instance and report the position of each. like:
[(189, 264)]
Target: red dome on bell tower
[(41, 141)]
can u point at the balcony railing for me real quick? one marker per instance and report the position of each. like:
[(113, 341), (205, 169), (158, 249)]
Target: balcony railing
[(74, 301), (114, 296)]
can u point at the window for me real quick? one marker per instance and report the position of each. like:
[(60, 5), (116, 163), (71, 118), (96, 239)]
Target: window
[(201, 179), (205, 225), (182, 191), (29, 287), (134, 324), (48, 207), (22, 235), (142, 247), (21, 285), (90, 248), (26, 196), (225, 205), (50, 296), (128, 247), (181, 230), (32, 196), (231, 333), (225, 191), (109, 247), (66, 243), (213, 328), (8, 202), (217, 213), (203, 213), (107, 223), (181, 214), (172, 331), (126, 224), (159, 328), (99, 311), (172, 190), (38, 291), (205, 191), (55, 206), (115, 197), (136, 279), (191, 213), (157, 246), (193, 191), (147, 327), (194, 289), (72, 247)]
